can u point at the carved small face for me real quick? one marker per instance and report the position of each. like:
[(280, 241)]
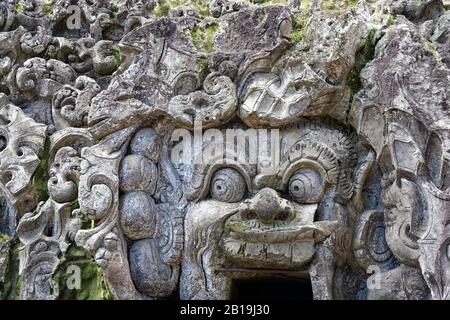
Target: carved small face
[(64, 173)]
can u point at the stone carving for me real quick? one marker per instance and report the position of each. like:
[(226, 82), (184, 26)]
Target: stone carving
[(267, 231), (213, 107), (22, 144), (351, 192), (43, 232)]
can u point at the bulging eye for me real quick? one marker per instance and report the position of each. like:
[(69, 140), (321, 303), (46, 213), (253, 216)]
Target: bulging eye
[(306, 186), (227, 185)]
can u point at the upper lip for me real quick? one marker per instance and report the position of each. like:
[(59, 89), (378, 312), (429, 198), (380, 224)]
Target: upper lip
[(283, 232)]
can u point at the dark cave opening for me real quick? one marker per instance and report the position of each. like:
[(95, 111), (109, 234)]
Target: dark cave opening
[(272, 288)]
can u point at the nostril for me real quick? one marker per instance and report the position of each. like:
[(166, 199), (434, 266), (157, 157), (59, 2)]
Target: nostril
[(248, 215), (282, 216)]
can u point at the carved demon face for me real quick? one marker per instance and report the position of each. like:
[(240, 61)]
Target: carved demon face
[(248, 218)]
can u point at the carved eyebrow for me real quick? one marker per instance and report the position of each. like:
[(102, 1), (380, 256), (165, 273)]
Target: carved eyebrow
[(309, 154)]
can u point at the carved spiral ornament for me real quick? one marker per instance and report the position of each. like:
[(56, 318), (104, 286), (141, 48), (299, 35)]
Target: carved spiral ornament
[(369, 242)]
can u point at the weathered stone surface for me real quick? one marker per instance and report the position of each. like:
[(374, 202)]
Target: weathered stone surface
[(137, 215), (4, 258), (137, 173), (150, 275), (146, 142), (183, 145), (401, 283)]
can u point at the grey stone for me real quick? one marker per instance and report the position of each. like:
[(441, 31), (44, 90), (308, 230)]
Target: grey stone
[(353, 96), (137, 215), (146, 142), (149, 274), (137, 173)]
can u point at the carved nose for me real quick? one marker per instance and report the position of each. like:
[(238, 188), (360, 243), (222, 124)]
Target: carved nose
[(267, 206)]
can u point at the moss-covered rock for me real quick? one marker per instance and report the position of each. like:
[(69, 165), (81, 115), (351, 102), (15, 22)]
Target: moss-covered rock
[(93, 285), (364, 55), (41, 176), (20, 7), (116, 54), (203, 37), (164, 6), (299, 26), (338, 4), (10, 289)]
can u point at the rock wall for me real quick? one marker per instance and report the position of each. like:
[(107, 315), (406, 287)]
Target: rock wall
[(163, 149)]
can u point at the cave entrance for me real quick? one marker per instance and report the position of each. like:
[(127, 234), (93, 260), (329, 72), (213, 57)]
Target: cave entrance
[(272, 288)]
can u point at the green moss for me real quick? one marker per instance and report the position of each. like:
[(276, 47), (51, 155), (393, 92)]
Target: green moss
[(165, 5), (19, 7), (305, 5), (4, 237), (203, 37), (329, 5), (74, 205), (203, 68), (201, 6), (116, 53), (391, 20), (262, 17), (10, 290), (270, 2), (299, 26), (365, 55), (48, 7), (41, 176), (93, 284), (162, 10), (338, 4)]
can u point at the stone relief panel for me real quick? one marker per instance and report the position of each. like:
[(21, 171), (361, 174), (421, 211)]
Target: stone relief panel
[(184, 146)]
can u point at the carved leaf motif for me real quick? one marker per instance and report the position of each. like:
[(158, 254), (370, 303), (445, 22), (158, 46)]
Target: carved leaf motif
[(32, 224), (22, 144)]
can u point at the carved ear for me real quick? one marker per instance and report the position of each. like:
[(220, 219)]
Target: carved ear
[(405, 220), (369, 232), (360, 179)]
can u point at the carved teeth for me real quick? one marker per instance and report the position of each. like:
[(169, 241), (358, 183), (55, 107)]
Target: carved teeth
[(264, 255)]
